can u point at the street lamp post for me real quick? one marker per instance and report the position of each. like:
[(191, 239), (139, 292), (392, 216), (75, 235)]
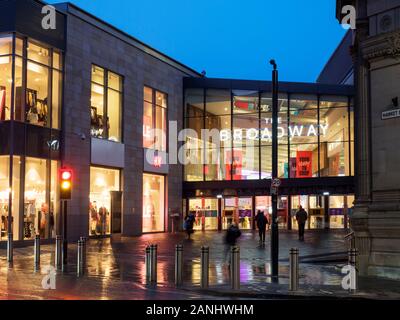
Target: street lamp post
[(274, 194)]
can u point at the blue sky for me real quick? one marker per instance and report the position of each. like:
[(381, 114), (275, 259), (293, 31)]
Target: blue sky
[(231, 38)]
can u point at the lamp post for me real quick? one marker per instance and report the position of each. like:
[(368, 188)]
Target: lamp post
[(274, 195)]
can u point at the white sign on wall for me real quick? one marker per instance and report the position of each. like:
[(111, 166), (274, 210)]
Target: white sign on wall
[(390, 114)]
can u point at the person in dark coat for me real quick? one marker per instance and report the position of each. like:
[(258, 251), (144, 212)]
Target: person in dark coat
[(232, 235), (262, 222), (189, 222), (301, 217)]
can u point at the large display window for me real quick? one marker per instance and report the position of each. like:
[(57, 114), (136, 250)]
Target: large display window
[(103, 183), (205, 211), (153, 203), (43, 77), (5, 77), (315, 135), (155, 115), (106, 104)]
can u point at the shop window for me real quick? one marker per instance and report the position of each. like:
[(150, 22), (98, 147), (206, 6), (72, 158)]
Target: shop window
[(32, 104), (5, 85), (38, 53), (303, 161), (245, 164), (103, 184), (205, 211), (4, 194), (106, 104), (155, 115), (335, 140), (194, 101), (153, 203), (245, 102), (238, 210), (36, 206)]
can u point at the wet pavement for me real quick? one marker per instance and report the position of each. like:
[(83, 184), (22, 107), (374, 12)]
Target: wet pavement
[(116, 270)]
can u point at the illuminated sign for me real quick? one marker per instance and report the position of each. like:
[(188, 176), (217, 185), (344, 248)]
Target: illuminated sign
[(157, 161), (266, 133)]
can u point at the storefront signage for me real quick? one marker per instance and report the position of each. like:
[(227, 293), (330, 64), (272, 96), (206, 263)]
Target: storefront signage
[(266, 134), (391, 114)]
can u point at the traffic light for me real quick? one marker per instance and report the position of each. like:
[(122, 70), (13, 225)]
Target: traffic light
[(65, 184)]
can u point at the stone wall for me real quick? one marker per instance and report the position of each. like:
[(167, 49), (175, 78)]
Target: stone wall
[(86, 45)]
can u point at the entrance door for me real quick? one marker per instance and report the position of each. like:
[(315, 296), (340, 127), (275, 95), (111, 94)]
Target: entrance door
[(116, 212)]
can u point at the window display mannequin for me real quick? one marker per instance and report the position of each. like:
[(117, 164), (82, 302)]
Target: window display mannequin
[(93, 218), (103, 214)]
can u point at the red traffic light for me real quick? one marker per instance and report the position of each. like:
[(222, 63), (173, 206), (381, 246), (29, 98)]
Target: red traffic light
[(65, 184), (66, 175)]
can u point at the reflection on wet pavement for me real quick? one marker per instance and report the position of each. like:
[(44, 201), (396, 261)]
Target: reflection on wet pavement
[(116, 269)]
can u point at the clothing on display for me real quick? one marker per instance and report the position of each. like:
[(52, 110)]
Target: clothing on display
[(3, 106), (97, 123), (36, 109)]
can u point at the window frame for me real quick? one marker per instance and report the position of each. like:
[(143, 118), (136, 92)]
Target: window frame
[(106, 88), (154, 107)]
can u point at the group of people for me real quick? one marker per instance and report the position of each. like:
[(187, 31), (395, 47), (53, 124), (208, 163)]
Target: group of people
[(233, 232)]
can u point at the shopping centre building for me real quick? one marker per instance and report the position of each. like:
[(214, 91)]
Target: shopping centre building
[(87, 96)]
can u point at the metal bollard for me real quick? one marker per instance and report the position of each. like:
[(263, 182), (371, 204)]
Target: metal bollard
[(205, 266), (37, 251), (153, 263), (178, 265), (147, 262), (58, 255), (84, 242), (235, 268), (294, 269), (353, 254), (10, 248), (80, 259)]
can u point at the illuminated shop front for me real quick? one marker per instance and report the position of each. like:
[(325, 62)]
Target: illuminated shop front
[(31, 80), (229, 149), (105, 202), (153, 203)]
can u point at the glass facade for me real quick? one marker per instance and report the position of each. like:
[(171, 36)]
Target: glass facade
[(153, 203), (31, 80), (34, 198), (230, 136), (106, 104), (155, 115), (103, 184), (36, 71)]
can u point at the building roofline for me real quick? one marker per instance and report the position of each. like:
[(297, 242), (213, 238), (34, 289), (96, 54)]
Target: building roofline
[(266, 86), (73, 9), (338, 48)]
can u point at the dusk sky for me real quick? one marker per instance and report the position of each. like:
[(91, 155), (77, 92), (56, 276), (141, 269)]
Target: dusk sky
[(231, 38)]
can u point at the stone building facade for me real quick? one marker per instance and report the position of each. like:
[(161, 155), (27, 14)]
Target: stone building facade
[(376, 51)]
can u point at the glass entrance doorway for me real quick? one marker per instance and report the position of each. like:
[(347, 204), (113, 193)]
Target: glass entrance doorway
[(238, 210), (264, 204), (206, 212)]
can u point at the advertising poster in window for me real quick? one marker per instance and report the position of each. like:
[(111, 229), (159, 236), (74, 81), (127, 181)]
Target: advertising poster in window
[(304, 164), (236, 166)]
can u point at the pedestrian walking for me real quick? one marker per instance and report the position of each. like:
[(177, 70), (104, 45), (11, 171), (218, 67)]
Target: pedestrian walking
[(262, 222), (301, 217), (189, 222), (232, 235)]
